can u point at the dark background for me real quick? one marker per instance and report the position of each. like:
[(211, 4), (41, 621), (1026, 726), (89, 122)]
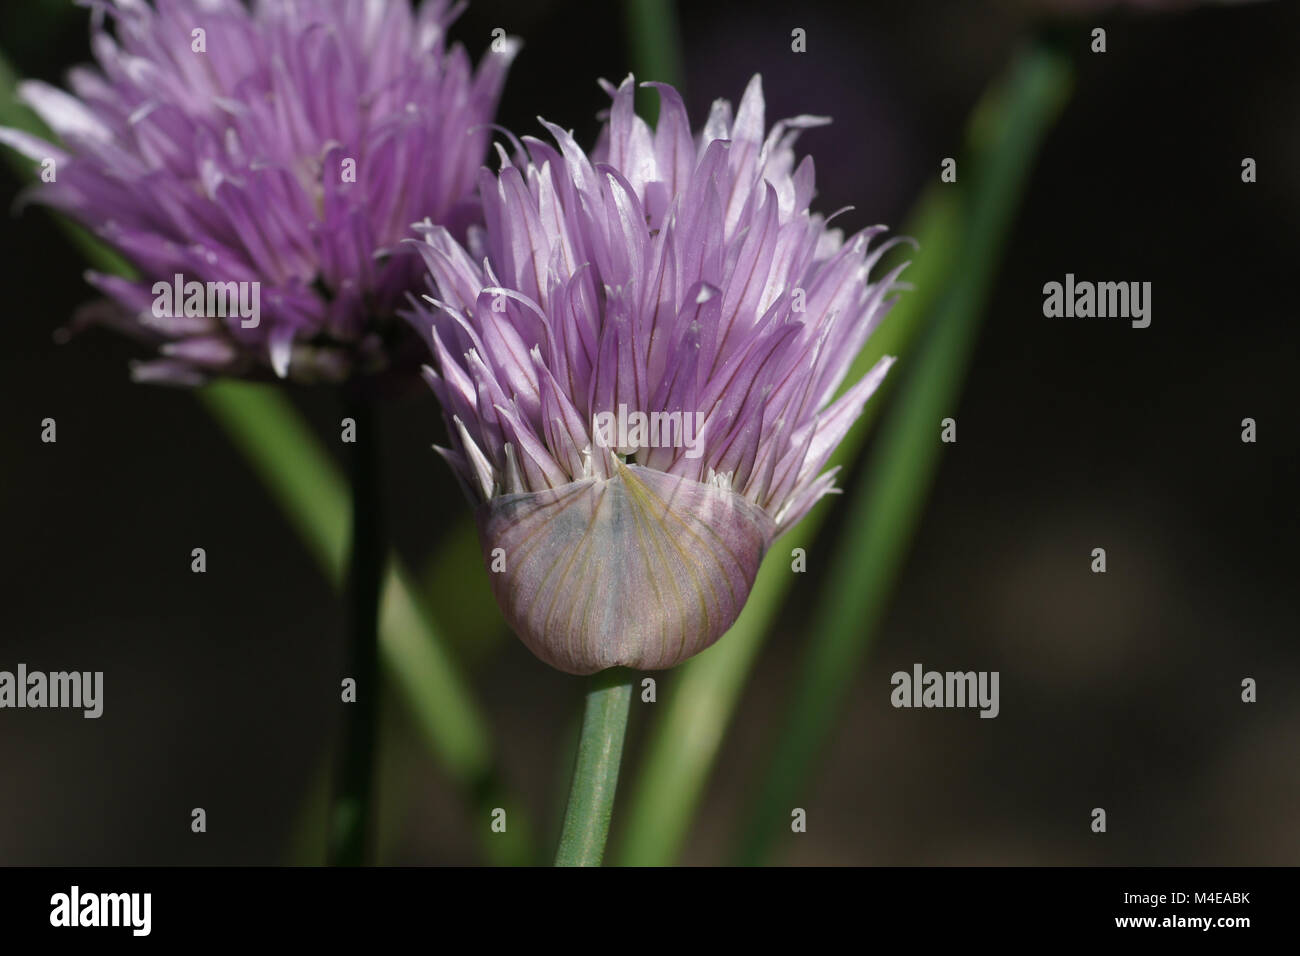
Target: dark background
[(1119, 690)]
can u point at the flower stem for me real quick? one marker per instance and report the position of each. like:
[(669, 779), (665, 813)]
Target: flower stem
[(654, 44), (350, 831), (595, 773)]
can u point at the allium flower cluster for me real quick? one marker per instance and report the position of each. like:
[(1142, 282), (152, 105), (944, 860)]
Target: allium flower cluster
[(273, 157), (639, 356)]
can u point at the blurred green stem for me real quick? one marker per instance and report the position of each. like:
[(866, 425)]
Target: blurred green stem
[(887, 500), (685, 740), (349, 836), (595, 772), (654, 45), (263, 425)]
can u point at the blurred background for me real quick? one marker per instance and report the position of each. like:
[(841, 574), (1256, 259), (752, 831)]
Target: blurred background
[(1119, 690)]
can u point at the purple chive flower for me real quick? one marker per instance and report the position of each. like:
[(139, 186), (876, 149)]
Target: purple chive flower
[(638, 357), (273, 159)]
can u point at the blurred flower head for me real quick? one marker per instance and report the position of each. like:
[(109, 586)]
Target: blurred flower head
[(639, 356), (274, 155)]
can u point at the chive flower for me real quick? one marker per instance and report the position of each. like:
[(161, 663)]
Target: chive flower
[(260, 167), (640, 357)]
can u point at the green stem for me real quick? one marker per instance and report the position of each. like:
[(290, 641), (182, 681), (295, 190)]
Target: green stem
[(595, 772), (887, 500), (654, 46), (350, 834)]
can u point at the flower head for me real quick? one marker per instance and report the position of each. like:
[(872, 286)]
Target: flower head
[(273, 157), (639, 357)]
